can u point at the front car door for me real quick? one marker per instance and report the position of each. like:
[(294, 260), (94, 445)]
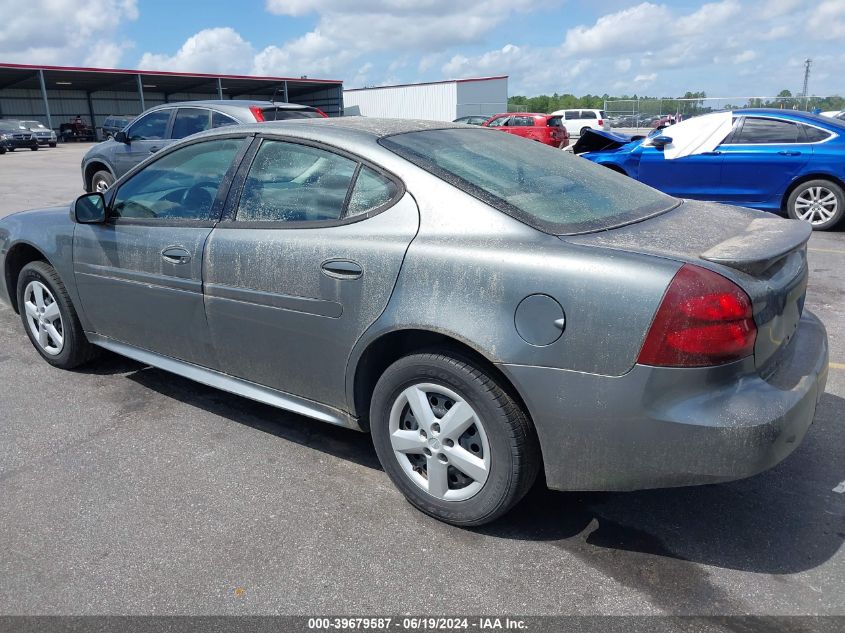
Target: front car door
[(145, 136), (139, 275), (761, 159), (305, 261), (696, 176)]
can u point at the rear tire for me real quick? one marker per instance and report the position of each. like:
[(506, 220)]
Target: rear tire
[(34, 148), (101, 181), (49, 318), (819, 202), (452, 439)]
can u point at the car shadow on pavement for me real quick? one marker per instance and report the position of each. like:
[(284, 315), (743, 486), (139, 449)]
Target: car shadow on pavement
[(333, 440), (782, 521)]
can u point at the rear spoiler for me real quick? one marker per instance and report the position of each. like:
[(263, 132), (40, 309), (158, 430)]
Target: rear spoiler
[(763, 243)]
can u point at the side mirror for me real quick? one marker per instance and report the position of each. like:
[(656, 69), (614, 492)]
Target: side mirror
[(661, 141), (90, 209), (121, 137)]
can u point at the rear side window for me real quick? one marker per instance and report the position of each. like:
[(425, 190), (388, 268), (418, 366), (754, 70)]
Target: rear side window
[(371, 191), (602, 114), (550, 190), (588, 114), (189, 121), (221, 120), (150, 127), (522, 121), (814, 134), (288, 182), (756, 131)]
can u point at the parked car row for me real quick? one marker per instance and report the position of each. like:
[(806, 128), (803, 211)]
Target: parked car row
[(162, 125), (567, 123), (15, 134)]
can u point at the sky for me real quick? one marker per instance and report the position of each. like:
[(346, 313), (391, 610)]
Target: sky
[(725, 47)]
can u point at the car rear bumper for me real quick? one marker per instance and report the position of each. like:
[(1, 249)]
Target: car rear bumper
[(661, 427)]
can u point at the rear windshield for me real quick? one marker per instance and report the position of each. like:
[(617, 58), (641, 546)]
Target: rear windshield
[(280, 114), (551, 190)]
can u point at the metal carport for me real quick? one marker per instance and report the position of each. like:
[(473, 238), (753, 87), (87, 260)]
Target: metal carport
[(57, 94)]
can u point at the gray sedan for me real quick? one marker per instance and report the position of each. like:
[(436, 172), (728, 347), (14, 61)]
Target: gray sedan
[(487, 307)]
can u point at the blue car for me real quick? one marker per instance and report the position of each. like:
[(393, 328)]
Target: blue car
[(774, 160)]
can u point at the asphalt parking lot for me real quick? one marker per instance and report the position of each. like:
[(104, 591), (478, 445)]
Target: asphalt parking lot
[(127, 490)]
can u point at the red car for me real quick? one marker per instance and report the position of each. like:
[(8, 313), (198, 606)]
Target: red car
[(546, 128)]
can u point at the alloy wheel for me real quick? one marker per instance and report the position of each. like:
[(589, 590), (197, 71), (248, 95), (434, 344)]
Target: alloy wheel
[(816, 205), (44, 318), (440, 442)]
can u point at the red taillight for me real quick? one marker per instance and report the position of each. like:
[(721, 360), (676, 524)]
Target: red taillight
[(704, 319), (322, 114), (601, 123), (257, 113)]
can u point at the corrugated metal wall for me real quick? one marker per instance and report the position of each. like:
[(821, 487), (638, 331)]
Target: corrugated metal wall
[(487, 97), (66, 105), (435, 102)]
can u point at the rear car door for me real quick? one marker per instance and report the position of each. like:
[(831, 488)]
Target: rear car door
[(139, 275), (524, 126), (303, 263), (762, 158), (145, 136)]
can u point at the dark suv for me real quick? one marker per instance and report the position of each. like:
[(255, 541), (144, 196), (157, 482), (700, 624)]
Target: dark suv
[(114, 124), (13, 136), (159, 126)]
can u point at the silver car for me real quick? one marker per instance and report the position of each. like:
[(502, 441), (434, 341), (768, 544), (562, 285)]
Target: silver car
[(165, 124), (485, 306)]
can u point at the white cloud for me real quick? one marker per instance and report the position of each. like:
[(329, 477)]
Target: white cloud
[(622, 65), (64, 31), (827, 22), (645, 78), (744, 57), (220, 50)]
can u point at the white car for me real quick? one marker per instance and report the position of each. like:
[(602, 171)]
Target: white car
[(576, 121), (835, 114)]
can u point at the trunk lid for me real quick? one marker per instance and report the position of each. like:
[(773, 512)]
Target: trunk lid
[(763, 254)]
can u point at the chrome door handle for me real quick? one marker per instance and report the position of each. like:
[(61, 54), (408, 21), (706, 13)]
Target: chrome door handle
[(176, 255), (153, 150), (789, 153), (342, 269)]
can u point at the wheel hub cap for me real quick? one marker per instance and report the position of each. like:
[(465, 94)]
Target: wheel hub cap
[(440, 442), (44, 318)]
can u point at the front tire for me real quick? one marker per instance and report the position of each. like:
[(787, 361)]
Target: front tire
[(101, 181), (34, 148), (819, 202), (49, 318), (452, 439), (584, 130)]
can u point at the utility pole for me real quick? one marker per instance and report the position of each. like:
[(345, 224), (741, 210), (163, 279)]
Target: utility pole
[(807, 63)]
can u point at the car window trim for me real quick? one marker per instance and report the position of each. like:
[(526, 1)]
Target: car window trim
[(219, 201), (229, 219), (737, 132)]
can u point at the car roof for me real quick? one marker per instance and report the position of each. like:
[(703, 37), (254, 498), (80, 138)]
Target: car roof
[(793, 115)]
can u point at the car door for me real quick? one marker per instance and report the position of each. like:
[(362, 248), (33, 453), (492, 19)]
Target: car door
[(761, 159), (303, 264), (144, 137), (696, 176), (139, 274), (524, 126)]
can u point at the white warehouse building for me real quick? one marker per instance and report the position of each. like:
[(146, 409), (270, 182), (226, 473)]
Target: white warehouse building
[(435, 101)]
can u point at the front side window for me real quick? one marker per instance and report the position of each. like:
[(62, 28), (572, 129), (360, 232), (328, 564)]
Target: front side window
[(151, 127), (288, 182), (756, 131), (189, 121), (181, 185), (571, 115), (550, 190)]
